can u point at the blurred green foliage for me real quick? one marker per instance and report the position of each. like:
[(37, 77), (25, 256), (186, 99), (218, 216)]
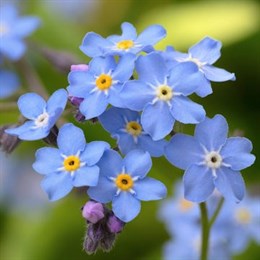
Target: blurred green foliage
[(56, 231)]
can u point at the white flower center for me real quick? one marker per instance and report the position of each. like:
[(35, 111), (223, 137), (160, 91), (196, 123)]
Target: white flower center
[(213, 160), (196, 61), (42, 120)]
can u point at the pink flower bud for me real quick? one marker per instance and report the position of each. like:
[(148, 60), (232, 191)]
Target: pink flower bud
[(79, 67), (93, 211), (114, 224)]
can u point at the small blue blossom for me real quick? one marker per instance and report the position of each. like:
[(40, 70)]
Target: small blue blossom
[(95, 45), (124, 125), (211, 160), (9, 83), (13, 30), (203, 54), (124, 182), (73, 164), (162, 95), (42, 115), (100, 84)]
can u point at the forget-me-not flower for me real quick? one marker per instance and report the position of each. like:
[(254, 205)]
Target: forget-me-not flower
[(211, 160), (73, 164), (9, 83), (42, 115), (125, 126), (100, 84), (13, 30), (95, 45), (203, 54), (162, 95), (124, 182)]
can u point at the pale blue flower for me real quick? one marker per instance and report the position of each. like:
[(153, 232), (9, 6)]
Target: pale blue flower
[(9, 83)]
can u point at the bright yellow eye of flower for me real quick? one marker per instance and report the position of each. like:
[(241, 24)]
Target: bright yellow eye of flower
[(104, 82), (185, 205), (164, 93), (71, 163), (125, 44), (133, 128), (243, 216), (124, 182)]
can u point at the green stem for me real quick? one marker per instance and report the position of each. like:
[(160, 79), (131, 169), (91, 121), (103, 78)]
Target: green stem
[(215, 215), (205, 231)]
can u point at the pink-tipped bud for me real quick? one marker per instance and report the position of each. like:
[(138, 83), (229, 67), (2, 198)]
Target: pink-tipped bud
[(93, 211), (114, 224), (79, 67)]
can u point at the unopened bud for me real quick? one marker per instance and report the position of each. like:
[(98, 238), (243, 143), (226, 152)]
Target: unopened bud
[(115, 225), (79, 67), (8, 142), (93, 211)]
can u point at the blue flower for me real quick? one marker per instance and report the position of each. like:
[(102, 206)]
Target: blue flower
[(162, 95), (124, 182), (100, 84), (124, 125), (9, 83), (203, 54), (13, 30), (73, 164), (95, 45), (211, 160), (42, 115)]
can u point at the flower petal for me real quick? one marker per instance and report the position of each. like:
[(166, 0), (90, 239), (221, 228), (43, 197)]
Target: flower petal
[(86, 176), (187, 111), (183, 151), (71, 139), (100, 65), (48, 160), (207, 50), (230, 183), (125, 206), (12, 48), (157, 120), (9, 83), (25, 26), (31, 105), (104, 192), (212, 133), (128, 31), (198, 183), (57, 185), (57, 100), (149, 189), (137, 163), (218, 75), (126, 142), (236, 153), (204, 88)]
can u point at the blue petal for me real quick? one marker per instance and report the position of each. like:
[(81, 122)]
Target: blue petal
[(230, 183), (126, 142), (212, 133), (104, 192), (136, 94), (86, 176), (101, 65), (236, 153), (9, 83), (93, 44), (207, 50), (218, 75), (110, 164), (93, 152), (93, 105), (151, 69), (149, 189), (204, 88), (57, 185), (57, 100), (128, 31), (157, 120), (9, 13), (48, 160), (78, 78), (31, 105), (151, 35), (198, 183), (137, 163), (187, 111), (124, 68), (183, 151), (114, 96), (25, 26), (125, 206), (12, 48), (71, 139), (155, 148)]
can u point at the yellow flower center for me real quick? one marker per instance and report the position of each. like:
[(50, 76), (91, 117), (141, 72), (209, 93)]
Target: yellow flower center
[(104, 82), (125, 44), (133, 128), (71, 163), (164, 93), (185, 205), (124, 182), (243, 216)]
